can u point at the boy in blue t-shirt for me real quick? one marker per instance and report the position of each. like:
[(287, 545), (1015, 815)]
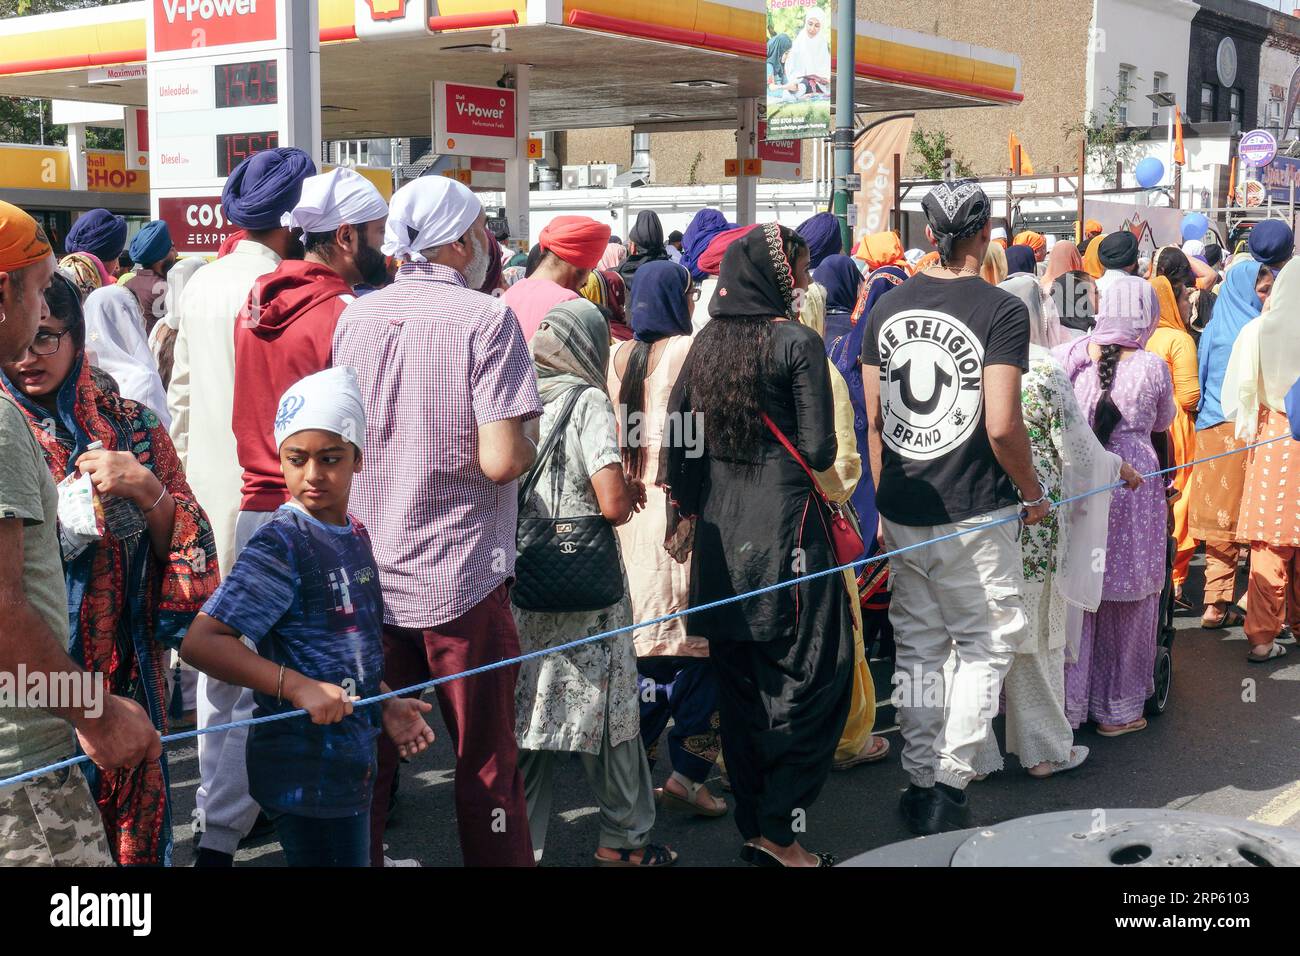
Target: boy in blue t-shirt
[(305, 591)]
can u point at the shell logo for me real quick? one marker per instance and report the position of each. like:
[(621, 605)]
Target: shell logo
[(386, 9), (451, 143)]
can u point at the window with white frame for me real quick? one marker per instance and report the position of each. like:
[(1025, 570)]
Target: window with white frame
[(1122, 93)]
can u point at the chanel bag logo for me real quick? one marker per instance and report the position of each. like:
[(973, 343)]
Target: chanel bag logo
[(568, 547)]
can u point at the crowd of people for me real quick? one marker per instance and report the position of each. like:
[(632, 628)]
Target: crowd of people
[(370, 445)]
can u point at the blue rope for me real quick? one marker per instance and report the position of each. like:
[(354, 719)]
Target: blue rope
[(605, 635)]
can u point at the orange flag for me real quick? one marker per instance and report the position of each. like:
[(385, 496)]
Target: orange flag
[(1232, 181), (1025, 167), (1180, 157)]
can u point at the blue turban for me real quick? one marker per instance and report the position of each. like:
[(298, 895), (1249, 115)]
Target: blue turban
[(265, 186), (100, 233), (1021, 259), (658, 307), (1272, 242), (822, 233), (1195, 226), (151, 243), (705, 225)]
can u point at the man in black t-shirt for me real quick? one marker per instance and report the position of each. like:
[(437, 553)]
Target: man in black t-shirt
[(942, 358)]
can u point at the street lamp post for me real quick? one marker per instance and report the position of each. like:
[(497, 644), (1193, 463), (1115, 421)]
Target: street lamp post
[(845, 24), (1163, 99)]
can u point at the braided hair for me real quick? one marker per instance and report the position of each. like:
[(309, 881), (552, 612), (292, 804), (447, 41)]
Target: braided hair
[(1107, 415)]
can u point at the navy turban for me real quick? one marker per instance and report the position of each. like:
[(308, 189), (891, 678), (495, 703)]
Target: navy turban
[(151, 243), (1272, 242), (100, 233), (1021, 259), (822, 233), (705, 225), (265, 186)]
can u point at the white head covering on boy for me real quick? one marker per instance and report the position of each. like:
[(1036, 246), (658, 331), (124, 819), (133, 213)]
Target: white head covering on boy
[(329, 401)]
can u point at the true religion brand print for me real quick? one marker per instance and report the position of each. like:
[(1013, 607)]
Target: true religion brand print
[(931, 383)]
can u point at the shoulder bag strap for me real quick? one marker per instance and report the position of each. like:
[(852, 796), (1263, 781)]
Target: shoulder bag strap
[(785, 442), (544, 452)]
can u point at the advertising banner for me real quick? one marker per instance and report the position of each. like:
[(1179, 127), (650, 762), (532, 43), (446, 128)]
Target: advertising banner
[(196, 223), (873, 160), (473, 120), (798, 70), (1278, 176)]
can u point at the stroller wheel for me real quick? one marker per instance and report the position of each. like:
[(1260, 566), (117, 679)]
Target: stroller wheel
[(1164, 676)]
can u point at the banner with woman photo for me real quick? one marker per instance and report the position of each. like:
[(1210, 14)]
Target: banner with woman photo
[(798, 70)]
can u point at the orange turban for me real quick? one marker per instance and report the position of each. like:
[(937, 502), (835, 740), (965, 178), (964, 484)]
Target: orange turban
[(22, 240), (1091, 228), (1031, 239), (578, 240), (881, 249)]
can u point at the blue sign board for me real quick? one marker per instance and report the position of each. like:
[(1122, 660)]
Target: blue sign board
[(1278, 176)]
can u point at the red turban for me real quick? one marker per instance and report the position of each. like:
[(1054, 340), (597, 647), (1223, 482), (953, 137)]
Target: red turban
[(710, 259), (579, 240)]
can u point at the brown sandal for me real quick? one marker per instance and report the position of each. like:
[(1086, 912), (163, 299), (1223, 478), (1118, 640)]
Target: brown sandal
[(1233, 616)]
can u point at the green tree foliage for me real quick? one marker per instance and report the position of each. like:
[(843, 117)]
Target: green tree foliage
[(27, 120), (932, 148), (1108, 141)]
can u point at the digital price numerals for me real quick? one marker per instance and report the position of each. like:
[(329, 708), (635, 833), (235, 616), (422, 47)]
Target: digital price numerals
[(234, 148), (246, 84)]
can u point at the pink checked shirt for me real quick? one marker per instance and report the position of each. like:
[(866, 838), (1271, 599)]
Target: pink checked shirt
[(435, 361)]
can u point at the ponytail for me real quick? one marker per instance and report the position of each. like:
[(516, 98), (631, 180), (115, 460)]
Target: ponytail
[(631, 399), (1107, 414)]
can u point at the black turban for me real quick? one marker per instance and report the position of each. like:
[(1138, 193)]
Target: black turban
[(1119, 250)]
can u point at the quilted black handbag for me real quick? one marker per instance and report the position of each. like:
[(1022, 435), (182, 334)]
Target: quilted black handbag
[(565, 563)]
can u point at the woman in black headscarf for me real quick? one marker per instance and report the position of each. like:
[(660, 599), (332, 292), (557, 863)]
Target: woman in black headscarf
[(783, 659), (645, 244)]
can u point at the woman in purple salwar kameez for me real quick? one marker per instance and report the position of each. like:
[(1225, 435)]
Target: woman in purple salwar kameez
[(1127, 394)]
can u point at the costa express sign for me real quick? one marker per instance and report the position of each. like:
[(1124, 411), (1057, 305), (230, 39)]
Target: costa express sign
[(186, 24), (196, 223)]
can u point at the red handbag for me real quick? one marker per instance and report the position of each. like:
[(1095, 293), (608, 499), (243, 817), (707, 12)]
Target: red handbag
[(846, 539)]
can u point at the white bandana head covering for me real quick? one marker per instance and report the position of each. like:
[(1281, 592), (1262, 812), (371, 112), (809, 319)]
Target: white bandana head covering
[(998, 233), (431, 211), (329, 401), (331, 199)]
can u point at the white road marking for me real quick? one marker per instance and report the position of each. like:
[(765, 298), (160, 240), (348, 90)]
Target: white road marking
[(1281, 808)]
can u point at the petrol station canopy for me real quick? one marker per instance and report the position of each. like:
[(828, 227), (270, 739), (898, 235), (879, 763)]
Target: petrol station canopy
[(595, 63)]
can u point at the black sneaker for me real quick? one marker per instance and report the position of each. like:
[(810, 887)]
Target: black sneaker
[(915, 803), (948, 809)]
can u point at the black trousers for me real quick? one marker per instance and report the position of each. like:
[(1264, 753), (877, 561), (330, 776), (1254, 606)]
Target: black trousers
[(783, 705)]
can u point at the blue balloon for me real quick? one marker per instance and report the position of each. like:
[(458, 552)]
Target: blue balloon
[(1195, 226), (1149, 172)]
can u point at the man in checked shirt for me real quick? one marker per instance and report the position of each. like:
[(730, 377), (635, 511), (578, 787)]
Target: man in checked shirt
[(451, 396)]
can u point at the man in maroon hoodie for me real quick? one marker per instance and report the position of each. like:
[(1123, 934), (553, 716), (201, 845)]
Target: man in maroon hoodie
[(287, 325)]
